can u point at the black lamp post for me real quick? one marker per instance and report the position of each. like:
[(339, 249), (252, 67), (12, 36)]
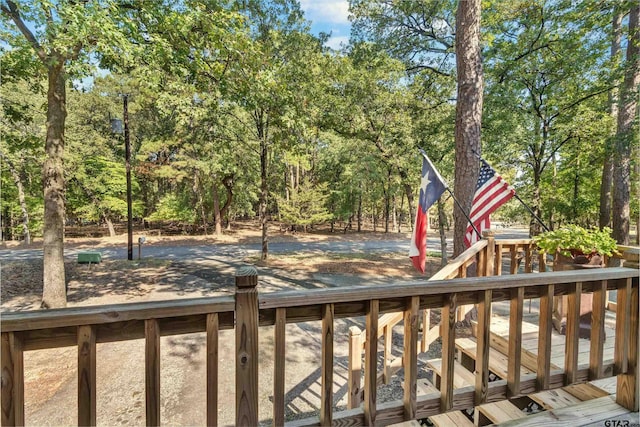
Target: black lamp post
[(116, 127)]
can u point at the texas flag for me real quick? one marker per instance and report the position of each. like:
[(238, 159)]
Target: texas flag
[(431, 188)]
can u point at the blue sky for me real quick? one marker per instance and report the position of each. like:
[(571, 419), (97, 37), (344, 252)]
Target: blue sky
[(329, 16)]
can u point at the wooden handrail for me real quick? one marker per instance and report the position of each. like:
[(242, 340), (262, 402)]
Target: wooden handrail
[(453, 267), (395, 291)]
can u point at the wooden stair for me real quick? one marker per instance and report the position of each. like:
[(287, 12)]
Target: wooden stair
[(498, 362), (461, 376), (554, 399), (590, 412), (497, 412), (453, 418)]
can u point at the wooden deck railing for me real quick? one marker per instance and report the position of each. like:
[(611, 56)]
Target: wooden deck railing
[(248, 311)]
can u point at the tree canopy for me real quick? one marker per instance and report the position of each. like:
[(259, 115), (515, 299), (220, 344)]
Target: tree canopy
[(237, 110)]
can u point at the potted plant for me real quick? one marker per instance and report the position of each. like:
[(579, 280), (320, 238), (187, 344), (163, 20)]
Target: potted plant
[(575, 247)]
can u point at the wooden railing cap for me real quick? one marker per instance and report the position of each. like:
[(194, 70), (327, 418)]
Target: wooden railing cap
[(247, 277)]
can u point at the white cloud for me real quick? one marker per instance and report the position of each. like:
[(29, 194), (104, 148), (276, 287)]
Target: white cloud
[(336, 42), (328, 11)]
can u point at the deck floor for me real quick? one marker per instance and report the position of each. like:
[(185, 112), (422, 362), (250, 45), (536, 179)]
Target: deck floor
[(588, 404)]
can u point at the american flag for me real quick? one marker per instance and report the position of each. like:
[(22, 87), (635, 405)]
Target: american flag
[(491, 193)]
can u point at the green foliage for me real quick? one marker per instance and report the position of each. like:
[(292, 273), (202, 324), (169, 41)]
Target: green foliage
[(306, 206), (573, 239), (212, 84), (172, 208)]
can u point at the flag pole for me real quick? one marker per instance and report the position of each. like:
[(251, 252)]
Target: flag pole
[(531, 212), (516, 196), (463, 211)]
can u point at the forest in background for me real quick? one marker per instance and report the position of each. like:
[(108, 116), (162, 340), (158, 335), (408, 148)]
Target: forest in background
[(236, 110)]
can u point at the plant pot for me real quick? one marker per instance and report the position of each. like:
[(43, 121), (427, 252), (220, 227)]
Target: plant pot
[(560, 303)]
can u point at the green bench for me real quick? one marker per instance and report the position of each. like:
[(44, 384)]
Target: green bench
[(89, 257)]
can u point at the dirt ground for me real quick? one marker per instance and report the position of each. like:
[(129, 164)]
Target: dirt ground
[(51, 375), (119, 281)]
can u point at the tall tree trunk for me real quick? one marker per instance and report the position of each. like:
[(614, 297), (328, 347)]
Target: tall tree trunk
[(53, 290), (626, 132), (199, 190), (21, 199), (387, 203), (359, 213), (576, 190), (264, 193), (110, 227), (408, 190), (468, 113), (604, 218), (217, 217)]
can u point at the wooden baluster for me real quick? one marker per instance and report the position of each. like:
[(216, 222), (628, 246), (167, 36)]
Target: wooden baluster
[(544, 338), (12, 380), (623, 322), (371, 363), (152, 371), (627, 386), (514, 259), (279, 365), (542, 263), (212, 369), (461, 312), (528, 262), (326, 398), (490, 259), (573, 333), (426, 325), (386, 358), (498, 264), (410, 358), (246, 347), (515, 342), (448, 330), (86, 375), (481, 263), (596, 350), (483, 345), (355, 367)]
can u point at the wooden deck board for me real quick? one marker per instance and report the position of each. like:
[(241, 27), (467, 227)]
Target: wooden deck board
[(583, 413)]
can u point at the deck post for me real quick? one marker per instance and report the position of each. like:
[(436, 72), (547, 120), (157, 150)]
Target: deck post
[(246, 346)]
